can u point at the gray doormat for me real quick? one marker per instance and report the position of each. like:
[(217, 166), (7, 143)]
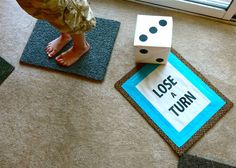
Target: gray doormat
[(5, 70), (196, 162), (92, 65)]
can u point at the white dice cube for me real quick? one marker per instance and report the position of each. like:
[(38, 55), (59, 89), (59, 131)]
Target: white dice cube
[(153, 39)]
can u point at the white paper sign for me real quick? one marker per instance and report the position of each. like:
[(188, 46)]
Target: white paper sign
[(177, 99)]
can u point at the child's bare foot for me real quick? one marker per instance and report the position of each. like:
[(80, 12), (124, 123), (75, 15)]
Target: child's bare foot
[(72, 55), (56, 45)]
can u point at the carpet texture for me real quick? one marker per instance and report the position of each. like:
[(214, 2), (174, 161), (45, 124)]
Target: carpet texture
[(196, 162), (5, 70), (51, 120), (92, 65)]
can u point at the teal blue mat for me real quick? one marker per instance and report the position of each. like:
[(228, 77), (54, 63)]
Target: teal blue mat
[(92, 65), (5, 70)]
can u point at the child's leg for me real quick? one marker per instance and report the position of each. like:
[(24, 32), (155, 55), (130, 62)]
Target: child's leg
[(70, 16), (56, 45), (79, 48)]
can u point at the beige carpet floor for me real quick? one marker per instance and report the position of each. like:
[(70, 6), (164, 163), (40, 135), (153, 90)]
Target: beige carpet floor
[(52, 120)]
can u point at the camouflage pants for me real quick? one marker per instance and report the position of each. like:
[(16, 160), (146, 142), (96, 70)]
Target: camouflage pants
[(68, 16)]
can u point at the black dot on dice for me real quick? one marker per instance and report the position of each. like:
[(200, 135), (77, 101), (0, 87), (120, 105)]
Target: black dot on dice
[(153, 30), (143, 37), (163, 23), (143, 51), (159, 60)]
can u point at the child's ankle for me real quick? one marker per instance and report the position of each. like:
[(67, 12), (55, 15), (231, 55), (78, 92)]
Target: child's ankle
[(65, 36)]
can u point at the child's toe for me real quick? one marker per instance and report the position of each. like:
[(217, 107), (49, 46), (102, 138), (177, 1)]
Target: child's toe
[(49, 49), (52, 53), (58, 58)]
